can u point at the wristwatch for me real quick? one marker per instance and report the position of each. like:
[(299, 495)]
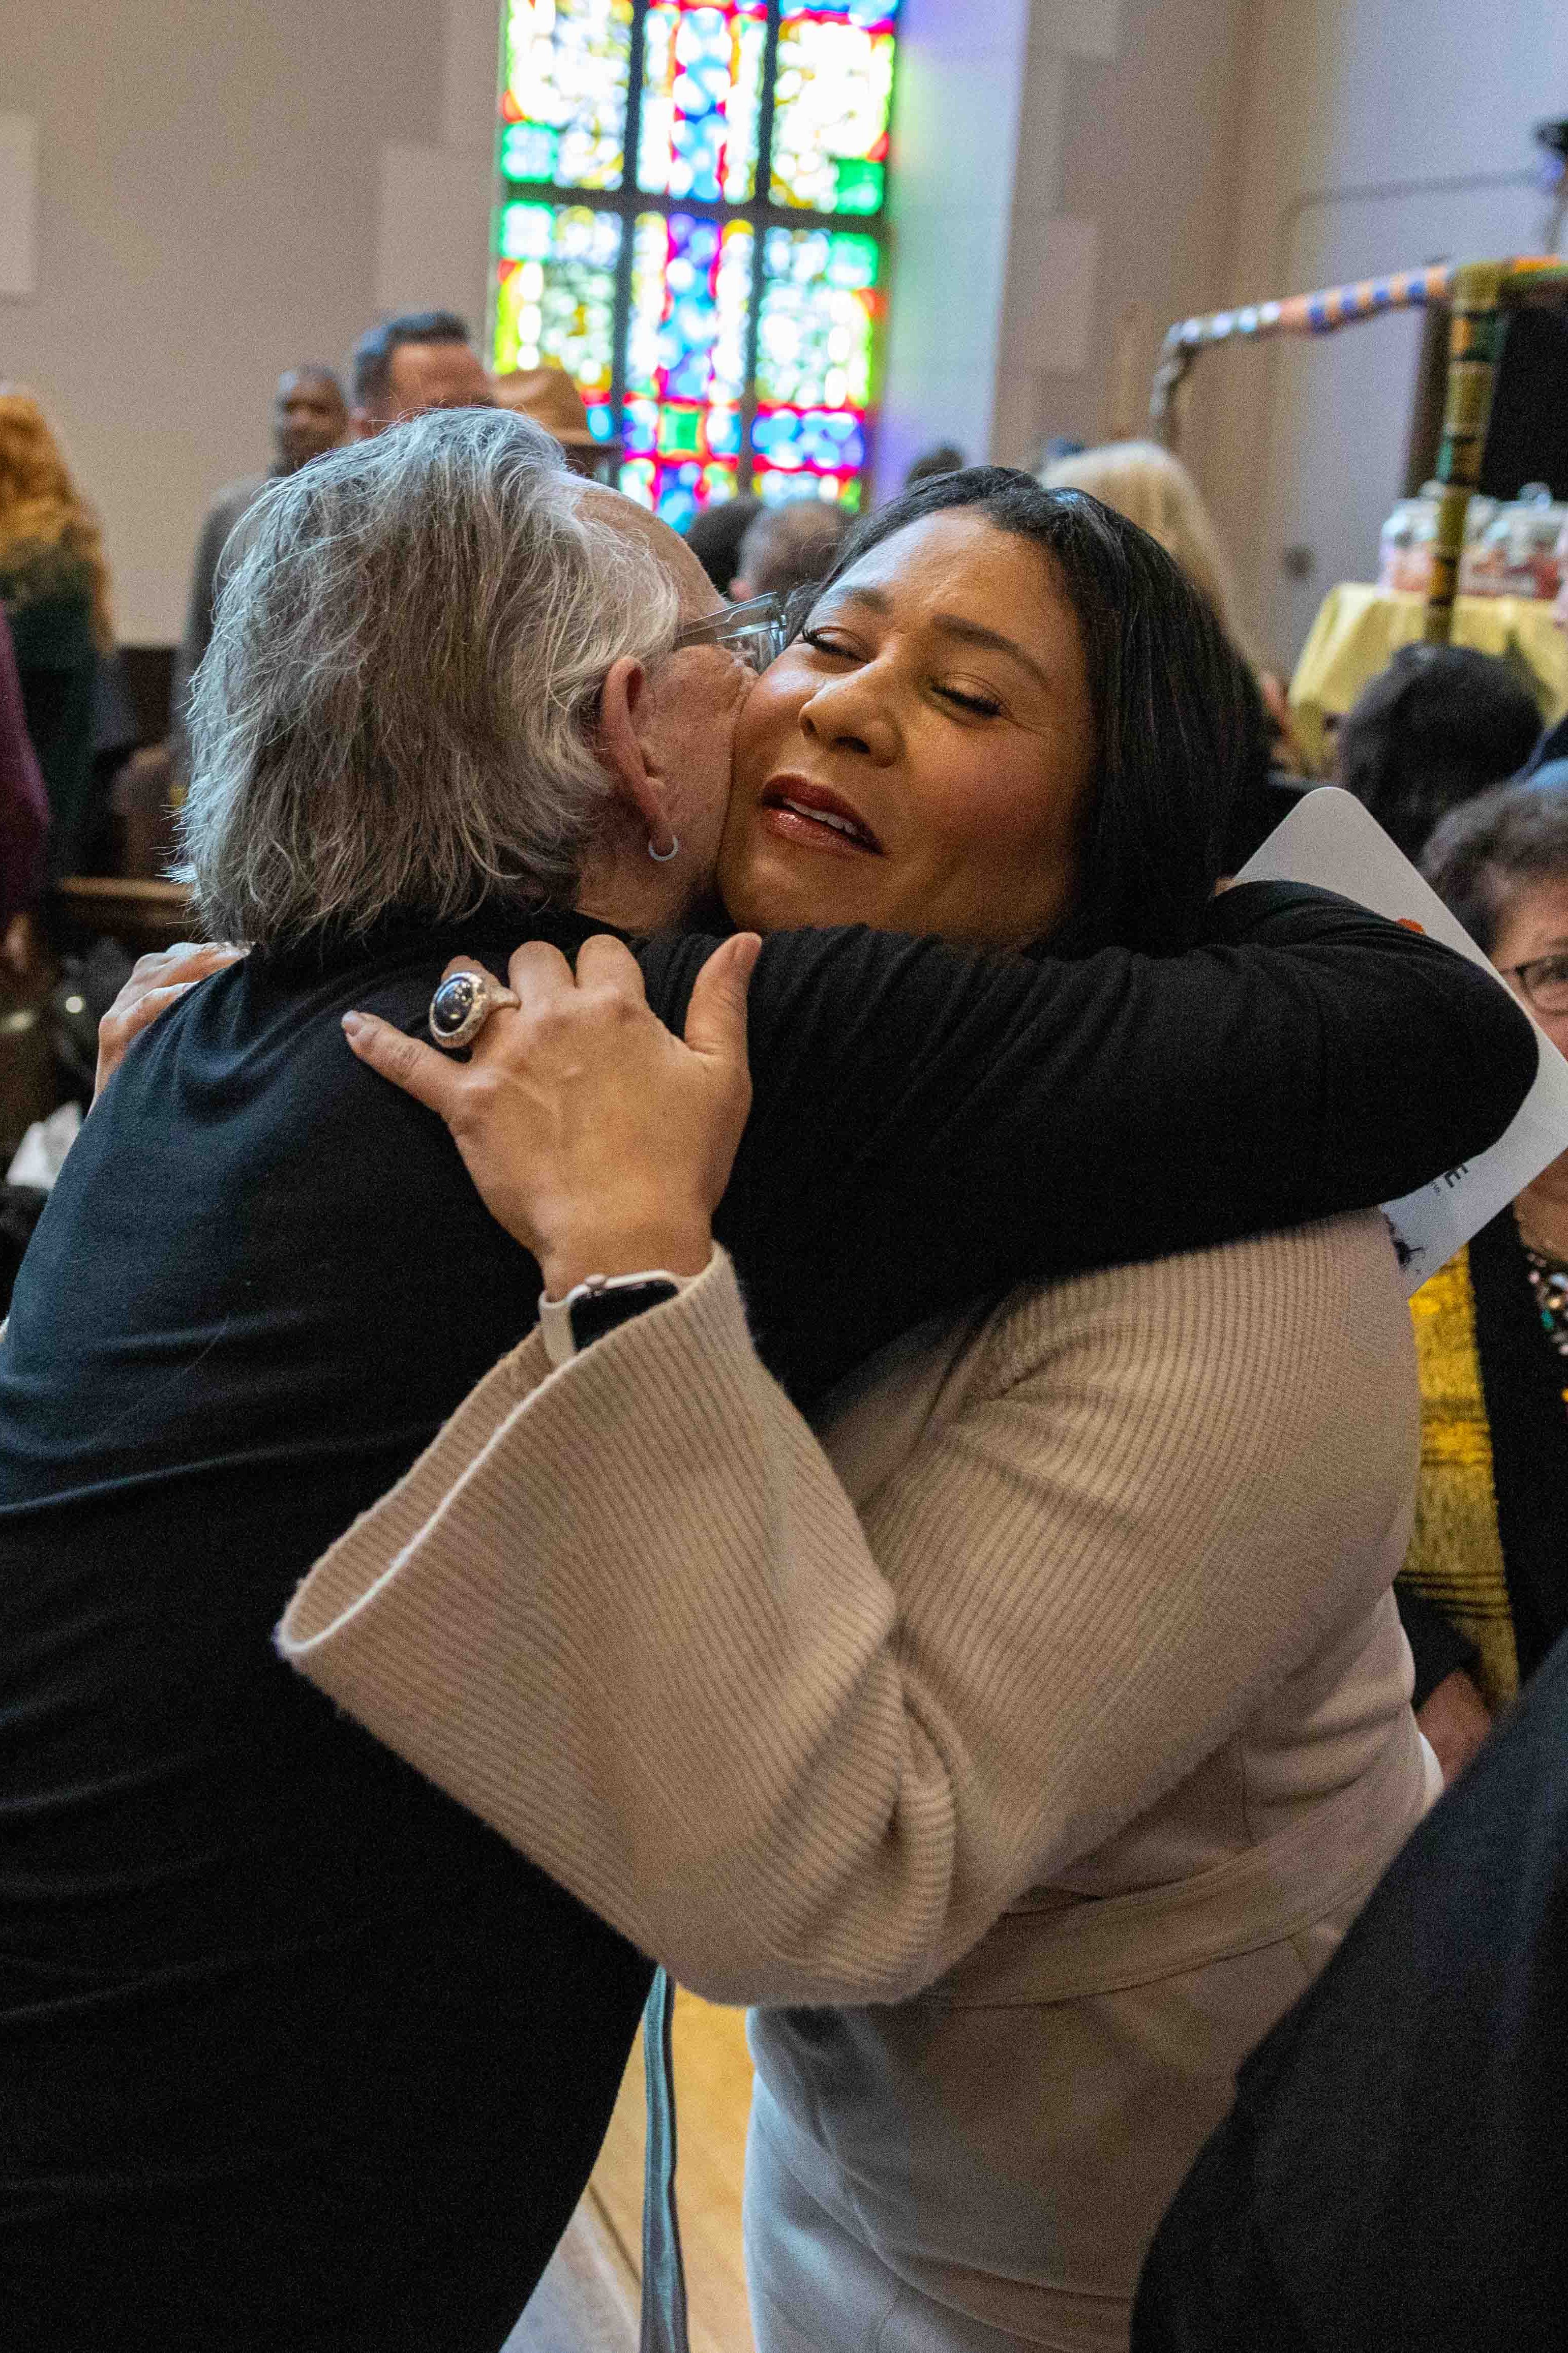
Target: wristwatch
[(598, 1304)]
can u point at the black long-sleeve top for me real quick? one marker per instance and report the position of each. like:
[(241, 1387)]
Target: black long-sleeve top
[(292, 2050)]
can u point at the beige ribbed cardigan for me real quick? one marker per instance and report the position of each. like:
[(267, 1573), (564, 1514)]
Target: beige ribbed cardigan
[(627, 1612), (1099, 1607)]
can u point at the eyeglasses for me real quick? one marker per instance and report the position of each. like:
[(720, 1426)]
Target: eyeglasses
[(758, 631), (1543, 980)]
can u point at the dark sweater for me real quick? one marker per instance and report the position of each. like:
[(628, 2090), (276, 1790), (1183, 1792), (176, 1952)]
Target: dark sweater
[(1392, 2178), (295, 2052)]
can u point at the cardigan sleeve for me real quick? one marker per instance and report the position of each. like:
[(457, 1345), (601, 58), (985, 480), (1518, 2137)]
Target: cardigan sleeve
[(627, 1614)]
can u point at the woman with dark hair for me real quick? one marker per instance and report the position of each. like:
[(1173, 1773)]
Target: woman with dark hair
[(1023, 1803), (1484, 1589), (1439, 725)]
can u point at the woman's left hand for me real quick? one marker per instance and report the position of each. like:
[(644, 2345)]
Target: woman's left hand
[(600, 1141)]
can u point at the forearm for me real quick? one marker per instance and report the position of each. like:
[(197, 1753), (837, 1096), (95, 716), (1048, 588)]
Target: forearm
[(623, 1612), (629, 1617)]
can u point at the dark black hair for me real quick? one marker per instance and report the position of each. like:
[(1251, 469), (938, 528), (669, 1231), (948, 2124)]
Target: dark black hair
[(371, 363), (1485, 853), (714, 536), (1437, 726), (1179, 722)]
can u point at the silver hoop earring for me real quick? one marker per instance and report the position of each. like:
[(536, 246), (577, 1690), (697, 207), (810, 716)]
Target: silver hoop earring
[(663, 857)]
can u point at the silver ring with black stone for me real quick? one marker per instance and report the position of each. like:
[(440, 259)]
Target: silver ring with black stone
[(461, 1007)]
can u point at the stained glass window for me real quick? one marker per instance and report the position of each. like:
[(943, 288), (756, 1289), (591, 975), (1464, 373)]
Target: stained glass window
[(690, 221)]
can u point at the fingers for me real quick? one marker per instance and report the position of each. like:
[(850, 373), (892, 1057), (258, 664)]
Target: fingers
[(716, 1017), (539, 972), (468, 964), (132, 1019), (187, 960), (195, 958), (608, 964), (410, 1064)]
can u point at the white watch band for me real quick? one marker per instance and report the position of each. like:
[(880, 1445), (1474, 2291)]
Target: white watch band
[(556, 1314)]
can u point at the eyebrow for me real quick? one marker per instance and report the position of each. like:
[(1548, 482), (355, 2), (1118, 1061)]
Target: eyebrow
[(950, 625)]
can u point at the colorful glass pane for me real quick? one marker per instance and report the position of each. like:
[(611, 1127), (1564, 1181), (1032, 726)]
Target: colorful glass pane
[(831, 105), (702, 77), (555, 297), (686, 360), (563, 97), (662, 339), (815, 346)]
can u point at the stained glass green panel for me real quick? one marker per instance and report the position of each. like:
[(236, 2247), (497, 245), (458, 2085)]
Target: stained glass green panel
[(832, 99), (651, 239), (815, 340), (702, 77), (565, 76), (555, 297), (686, 360)]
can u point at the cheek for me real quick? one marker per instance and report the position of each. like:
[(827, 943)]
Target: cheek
[(994, 804), (768, 719)]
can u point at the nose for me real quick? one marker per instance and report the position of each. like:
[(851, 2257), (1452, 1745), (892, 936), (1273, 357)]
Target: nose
[(852, 714)]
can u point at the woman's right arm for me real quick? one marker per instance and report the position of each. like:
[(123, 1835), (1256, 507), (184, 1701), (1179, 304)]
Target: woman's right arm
[(941, 1123)]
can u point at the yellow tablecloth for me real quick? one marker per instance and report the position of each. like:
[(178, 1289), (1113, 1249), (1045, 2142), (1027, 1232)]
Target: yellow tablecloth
[(1358, 628)]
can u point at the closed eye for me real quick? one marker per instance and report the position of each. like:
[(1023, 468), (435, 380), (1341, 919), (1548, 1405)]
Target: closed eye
[(983, 708), (822, 644)]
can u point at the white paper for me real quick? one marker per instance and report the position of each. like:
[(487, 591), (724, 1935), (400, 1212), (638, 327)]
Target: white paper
[(41, 1155), (1330, 840)]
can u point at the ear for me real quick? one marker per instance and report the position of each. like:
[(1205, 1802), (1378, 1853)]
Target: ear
[(625, 707)]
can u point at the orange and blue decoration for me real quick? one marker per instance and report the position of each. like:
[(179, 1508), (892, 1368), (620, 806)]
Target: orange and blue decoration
[(690, 222)]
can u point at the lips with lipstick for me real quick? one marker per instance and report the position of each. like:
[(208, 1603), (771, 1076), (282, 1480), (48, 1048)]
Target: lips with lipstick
[(794, 809)]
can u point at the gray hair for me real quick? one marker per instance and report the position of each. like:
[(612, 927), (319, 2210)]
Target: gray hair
[(397, 707)]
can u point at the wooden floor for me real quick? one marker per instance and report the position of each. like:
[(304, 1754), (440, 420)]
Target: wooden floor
[(587, 2301)]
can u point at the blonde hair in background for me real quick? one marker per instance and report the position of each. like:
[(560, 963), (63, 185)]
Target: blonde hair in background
[(41, 509), (1154, 489)]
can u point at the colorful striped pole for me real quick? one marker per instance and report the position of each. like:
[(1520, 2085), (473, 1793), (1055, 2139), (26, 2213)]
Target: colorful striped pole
[(1481, 292), (1475, 342)]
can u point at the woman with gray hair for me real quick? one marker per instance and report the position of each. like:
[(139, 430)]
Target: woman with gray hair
[(297, 2052)]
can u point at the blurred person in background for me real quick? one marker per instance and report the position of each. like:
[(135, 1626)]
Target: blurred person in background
[(23, 810), (552, 399), (54, 590), (714, 536), (1429, 733), (417, 361), (1390, 2178), (787, 547), (1154, 489), (946, 458), (1484, 1589), (310, 417)]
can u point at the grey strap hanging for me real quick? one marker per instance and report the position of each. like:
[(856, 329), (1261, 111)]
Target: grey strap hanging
[(663, 2272)]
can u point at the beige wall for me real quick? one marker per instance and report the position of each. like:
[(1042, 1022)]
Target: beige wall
[(209, 193), (1180, 155), (1375, 135), (1125, 208)]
